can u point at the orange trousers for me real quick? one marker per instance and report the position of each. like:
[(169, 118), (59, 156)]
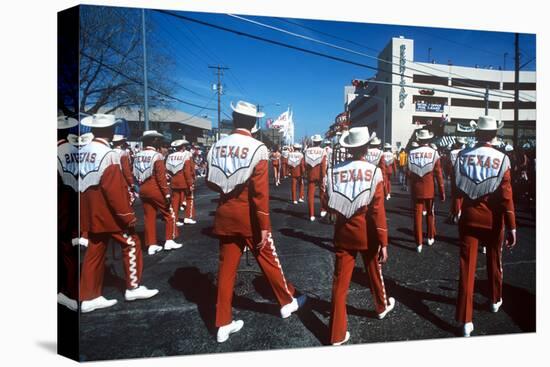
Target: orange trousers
[(150, 208), (470, 239), (231, 249), (189, 203), (297, 181), (419, 206), (276, 173), (456, 205), (311, 185), (93, 266), (343, 269), (387, 183)]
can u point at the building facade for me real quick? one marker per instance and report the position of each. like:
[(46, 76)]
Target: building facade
[(406, 95)]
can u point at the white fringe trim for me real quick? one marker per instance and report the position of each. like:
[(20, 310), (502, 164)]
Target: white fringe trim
[(228, 183), (488, 186), (93, 178), (346, 206)]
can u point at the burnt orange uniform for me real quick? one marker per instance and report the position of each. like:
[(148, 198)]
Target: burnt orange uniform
[(424, 167), (316, 167), (297, 167), (238, 170), (482, 178), (190, 173), (376, 157), (456, 200), (276, 163), (150, 172), (391, 167), (105, 214), (178, 166), (356, 194)]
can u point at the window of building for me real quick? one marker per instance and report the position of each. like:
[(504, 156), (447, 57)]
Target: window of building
[(474, 103), (522, 86), (473, 83), (522, 105), (429, 79)]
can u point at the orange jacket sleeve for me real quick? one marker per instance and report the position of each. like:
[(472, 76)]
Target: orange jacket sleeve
[(259, 192), (127, 170), (383, 169), (508, 201), (377, 212), (188, 172), (114, 189), (438, 173), (160, 177), (324, 167)]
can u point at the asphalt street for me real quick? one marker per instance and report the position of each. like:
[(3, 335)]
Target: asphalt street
[(180, 319)]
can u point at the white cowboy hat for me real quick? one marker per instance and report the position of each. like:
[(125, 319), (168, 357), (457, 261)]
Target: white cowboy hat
[(461, 140), (99, 120), (387, 146), (297, 146), (151, 134), (486, 123), (118, 137), (246, 108), (375, 141), (254, 129), (414, 144), (424, 134), (179, 143), (356, 137), (316, 138), (65, 122), (508, 148), (433, 146)]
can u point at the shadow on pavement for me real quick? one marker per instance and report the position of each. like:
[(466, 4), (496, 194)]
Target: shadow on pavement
[(318, 241), (518, 303), (292, 213)]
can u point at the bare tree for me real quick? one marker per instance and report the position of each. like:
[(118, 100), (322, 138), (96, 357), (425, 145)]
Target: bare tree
[(111, 62)]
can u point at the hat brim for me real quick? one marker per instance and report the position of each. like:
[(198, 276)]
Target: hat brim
[(89, 121), (345, 144), (475, 125), (430, 136), (152, 136), (256, 115)]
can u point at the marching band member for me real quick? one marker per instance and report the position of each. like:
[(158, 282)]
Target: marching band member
[(67, 219), (189, 192), (424, 164), (276, 163), (374, 156), (316, 168), (482, 177), (238, 170), (179, 169), (360, 228), (106, 214), (456, 200), (284, 160), (150, 172), (120, 146), (297, 170), (391, 168)]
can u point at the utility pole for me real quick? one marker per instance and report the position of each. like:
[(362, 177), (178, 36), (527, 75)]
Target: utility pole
[(258, 122), (145, 87), (486, 100), (516, 90), (429, 54), (219, 72)]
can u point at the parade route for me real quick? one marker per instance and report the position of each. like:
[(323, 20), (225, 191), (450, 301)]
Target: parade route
[(180, 319)]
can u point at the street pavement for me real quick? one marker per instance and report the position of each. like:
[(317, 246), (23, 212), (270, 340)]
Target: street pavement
[(180, 319)]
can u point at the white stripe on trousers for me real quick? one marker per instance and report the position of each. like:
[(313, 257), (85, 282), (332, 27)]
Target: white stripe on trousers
[(133, 266)]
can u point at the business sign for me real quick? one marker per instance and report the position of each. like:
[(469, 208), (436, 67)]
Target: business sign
[(402, 68), (422, 106)]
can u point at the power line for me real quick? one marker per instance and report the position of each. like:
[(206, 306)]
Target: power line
[(139, 82), (341, 48), (394, 56)]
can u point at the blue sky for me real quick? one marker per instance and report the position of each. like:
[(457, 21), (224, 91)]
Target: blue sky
[(268, 74)]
